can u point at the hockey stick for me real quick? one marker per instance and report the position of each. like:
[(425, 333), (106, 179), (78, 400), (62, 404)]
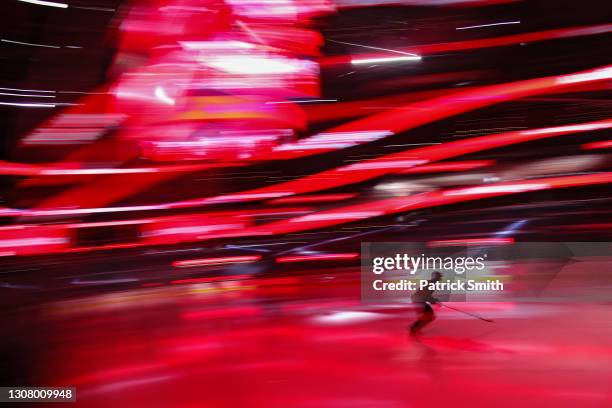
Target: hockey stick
[(467, 313)]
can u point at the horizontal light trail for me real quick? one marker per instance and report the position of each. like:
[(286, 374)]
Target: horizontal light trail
[(31, 170), (488, 25), (28, 105), (342, 176), (216, 261), (317, 257), (397, 205), (4, 40), (384, 60), (314, 198), (605, 144), (45, 3), (211, 279), (322, 219), (470, 242)]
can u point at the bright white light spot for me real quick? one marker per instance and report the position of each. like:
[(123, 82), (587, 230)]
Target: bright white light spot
[(161, 94), (246, 64), (348, 317), (215, 45)]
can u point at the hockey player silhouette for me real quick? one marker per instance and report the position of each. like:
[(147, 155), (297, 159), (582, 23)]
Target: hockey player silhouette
[(423, 299)]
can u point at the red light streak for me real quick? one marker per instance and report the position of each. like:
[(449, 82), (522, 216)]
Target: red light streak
[(216, 261), (317, 257), (211, 279), (449, 166), (606, 144), (469, 242), (314, 198)]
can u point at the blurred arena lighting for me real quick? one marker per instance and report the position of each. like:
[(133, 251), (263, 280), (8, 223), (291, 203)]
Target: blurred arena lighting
[(187, 187)]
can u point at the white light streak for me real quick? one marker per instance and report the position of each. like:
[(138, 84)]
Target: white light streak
[(508, 188), (376, 48), (568, 128), (25, 90), (61, 172), (488, 25), (29, 44), (27, 95), (385, 60), (214, 45), (29, 105), (45, 3), (594, 75), (337, 140)]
